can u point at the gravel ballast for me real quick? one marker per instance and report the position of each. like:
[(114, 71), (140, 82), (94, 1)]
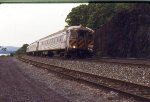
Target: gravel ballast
[(70, 89), (137, 74)]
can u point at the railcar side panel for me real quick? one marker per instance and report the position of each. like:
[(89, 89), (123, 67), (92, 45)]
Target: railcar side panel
[(71, 41), (55, 42)]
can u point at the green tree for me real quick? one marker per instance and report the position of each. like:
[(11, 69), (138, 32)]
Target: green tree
[(95, 15), (78, 15), (22, 50), (3, 48)]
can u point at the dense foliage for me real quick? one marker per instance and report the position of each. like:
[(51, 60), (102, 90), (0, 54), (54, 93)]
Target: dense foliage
[(95, 14), (126, 35)]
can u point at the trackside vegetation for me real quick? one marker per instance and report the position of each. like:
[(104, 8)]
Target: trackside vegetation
[(121, 29), (22, 50)]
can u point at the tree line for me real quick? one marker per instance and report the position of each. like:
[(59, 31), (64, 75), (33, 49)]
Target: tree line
[(95, 15), (122, 29), (3, 48)]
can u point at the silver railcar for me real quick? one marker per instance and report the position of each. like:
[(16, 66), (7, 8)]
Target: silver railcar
[(73, 41)]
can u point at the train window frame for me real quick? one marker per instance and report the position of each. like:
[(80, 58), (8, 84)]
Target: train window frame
[(54, 40), (50, 41), (90, 36), (80, 34), (59, 38), (73, 34)]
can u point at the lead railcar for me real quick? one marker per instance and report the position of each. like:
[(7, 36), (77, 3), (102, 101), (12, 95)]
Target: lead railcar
[(71, 42)]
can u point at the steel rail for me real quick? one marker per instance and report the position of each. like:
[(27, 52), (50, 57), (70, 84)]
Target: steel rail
[(131, 89), (122, 61)]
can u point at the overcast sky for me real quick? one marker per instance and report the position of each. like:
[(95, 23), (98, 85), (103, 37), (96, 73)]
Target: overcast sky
[(26, 23)]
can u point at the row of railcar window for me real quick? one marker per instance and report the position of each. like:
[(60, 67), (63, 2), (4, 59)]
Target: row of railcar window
[(53, 40)]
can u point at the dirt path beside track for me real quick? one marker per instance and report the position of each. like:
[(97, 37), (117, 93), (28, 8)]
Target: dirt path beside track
[(16, 86)]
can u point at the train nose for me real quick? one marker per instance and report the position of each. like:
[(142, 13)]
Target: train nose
[(81, 43)]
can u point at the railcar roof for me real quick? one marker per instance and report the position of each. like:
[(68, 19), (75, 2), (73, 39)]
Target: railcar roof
[(49, 35), (79, 27), (66, 28), (53, 34)]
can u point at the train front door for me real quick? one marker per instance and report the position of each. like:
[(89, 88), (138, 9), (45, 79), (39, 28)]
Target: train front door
[(82, 40)]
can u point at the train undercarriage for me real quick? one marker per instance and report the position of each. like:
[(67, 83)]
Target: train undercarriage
[(70, 53)]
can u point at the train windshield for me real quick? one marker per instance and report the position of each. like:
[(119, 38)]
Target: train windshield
[(90, 36), (73, 34), (81, 34), (84, 34)]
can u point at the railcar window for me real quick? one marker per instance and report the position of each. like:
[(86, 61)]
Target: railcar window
[(61, 38), (58, 39), (54, 40)]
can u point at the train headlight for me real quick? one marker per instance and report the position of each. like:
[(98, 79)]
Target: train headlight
[(74, 46), (90, 49)]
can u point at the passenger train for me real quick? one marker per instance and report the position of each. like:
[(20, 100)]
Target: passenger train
[(71, 42)]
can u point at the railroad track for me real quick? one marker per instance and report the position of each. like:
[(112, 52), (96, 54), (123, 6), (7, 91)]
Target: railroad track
[(125, 61), (140, 62), (130, 89)]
